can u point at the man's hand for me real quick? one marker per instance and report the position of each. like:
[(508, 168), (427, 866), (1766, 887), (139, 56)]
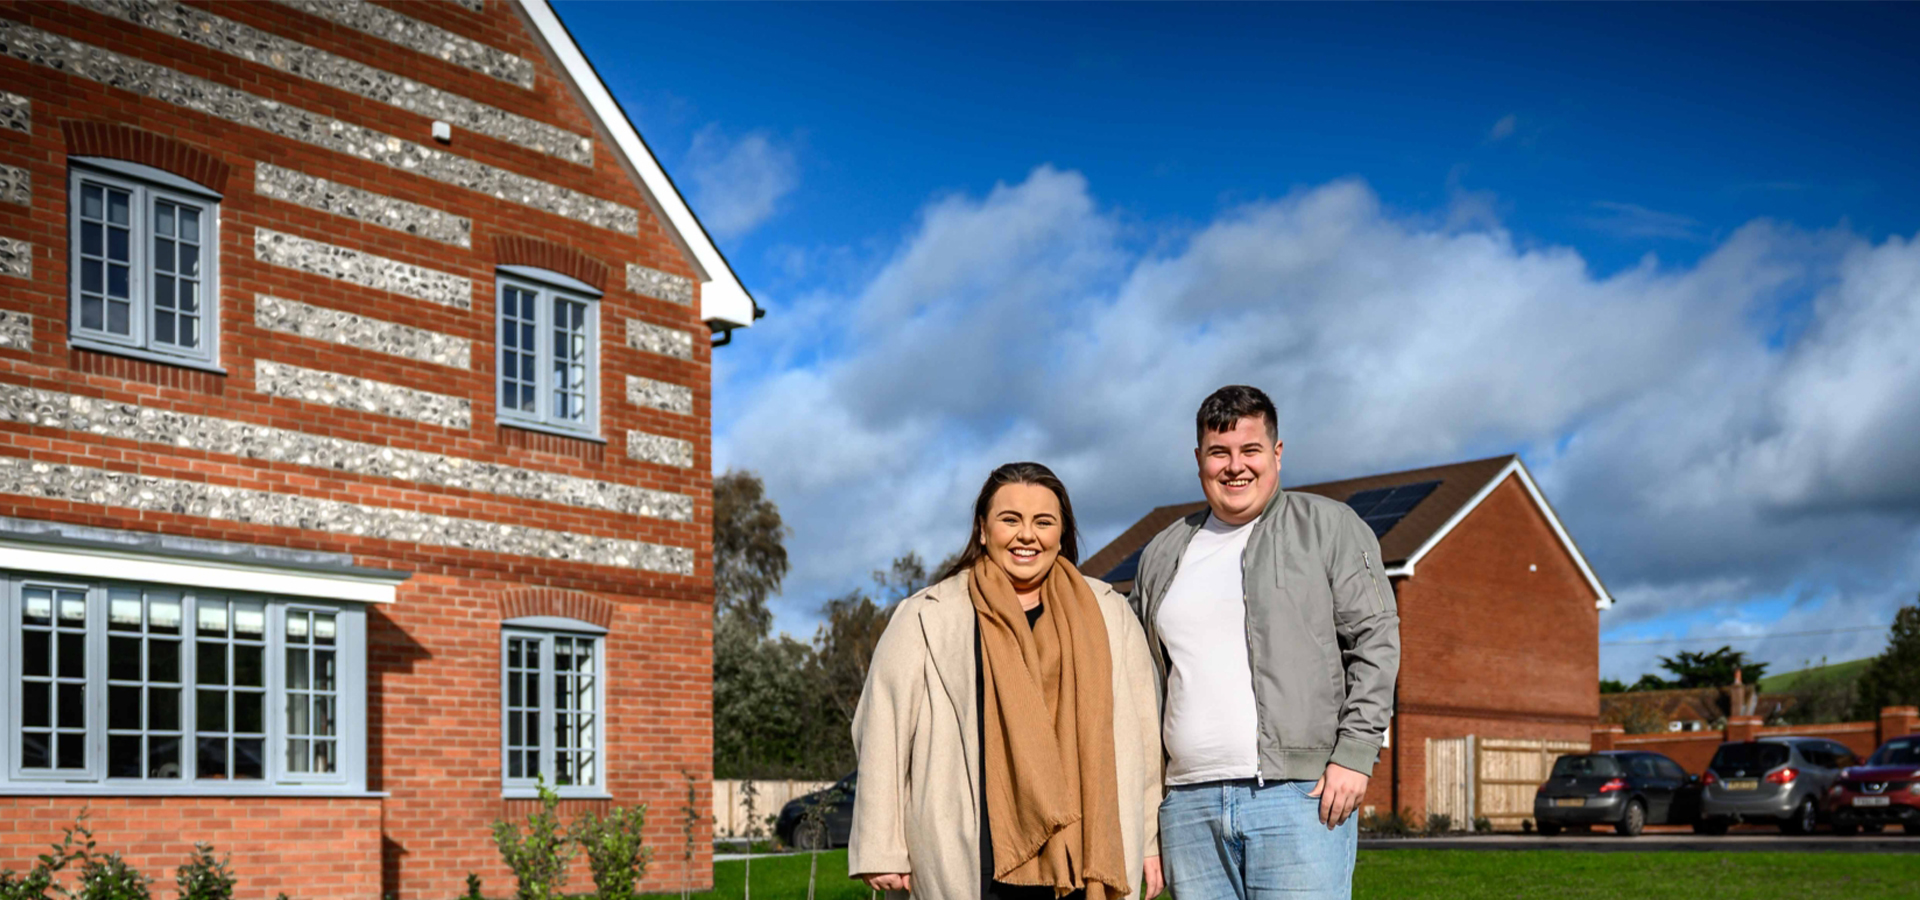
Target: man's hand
[(1339, 790), (1156, 881), (897, 881)]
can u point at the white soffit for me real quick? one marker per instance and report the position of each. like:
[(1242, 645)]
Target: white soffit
[(1602, 599), (724, 302), (91, 562)]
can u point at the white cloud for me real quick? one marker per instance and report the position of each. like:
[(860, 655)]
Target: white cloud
[(1739, 428), (739, 183), (1503, 129), (1632, 221)]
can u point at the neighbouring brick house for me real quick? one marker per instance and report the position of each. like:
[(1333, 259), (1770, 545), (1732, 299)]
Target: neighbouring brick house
[(1690, 709), (1499, 611), (354, 441)]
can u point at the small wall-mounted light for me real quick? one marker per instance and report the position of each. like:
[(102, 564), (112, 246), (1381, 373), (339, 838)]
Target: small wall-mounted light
[(443, 132), (1531, 567)]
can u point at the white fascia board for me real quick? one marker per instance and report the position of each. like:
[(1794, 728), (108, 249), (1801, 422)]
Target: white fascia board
[(1602, 600), (724, 302), (100, 563)]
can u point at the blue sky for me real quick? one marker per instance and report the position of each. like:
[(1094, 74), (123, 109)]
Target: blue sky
[(1665, 252)]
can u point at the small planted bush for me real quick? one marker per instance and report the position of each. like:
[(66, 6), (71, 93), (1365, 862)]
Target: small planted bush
[(76, 846), (473, 887), (538, 855), (110, 878), (1439, 823), (204, 877), (613, 849), (1393, 824)]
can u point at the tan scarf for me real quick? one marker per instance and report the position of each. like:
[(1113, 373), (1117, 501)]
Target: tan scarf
[(1052, 795)]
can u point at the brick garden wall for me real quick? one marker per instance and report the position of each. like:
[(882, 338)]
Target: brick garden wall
[(434, 667)]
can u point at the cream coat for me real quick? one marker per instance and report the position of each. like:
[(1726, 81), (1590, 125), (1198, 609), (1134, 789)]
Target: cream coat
[(917, 738)]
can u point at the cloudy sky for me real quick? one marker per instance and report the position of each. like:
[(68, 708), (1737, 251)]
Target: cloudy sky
[(1667, 254)]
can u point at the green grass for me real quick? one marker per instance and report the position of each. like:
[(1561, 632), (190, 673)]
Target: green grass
[(1494, 874), (1806, 678)]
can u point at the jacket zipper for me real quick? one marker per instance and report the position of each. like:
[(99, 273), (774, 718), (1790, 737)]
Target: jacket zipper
[(1246, 625)]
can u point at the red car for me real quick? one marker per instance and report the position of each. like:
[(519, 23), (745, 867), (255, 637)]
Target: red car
[(1880, 792)]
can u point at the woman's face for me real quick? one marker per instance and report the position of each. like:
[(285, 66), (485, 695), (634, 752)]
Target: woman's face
[(1022, 533)]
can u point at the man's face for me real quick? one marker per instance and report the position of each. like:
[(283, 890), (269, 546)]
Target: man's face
[(1239, 470)]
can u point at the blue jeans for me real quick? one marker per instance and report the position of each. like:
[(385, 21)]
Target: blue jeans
[(1238, 840)]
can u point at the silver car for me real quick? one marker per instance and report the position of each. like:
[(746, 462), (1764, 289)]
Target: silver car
[(1772, 779)]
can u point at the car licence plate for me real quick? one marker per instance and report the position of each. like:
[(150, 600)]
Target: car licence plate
[(1744, 784), (1570, 801), (1871, 801)]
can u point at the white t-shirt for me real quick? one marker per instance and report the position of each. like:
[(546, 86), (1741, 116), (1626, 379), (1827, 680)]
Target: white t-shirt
[(1211, 727)]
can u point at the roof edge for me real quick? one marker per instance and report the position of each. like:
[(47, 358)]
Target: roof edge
[(725, 303), (1515, 467)]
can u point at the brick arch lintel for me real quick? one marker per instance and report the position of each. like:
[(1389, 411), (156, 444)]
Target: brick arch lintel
[(542, 601), (116, 141), (520, 250)]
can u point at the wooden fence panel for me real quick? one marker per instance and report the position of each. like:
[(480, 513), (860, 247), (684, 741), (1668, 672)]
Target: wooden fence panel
[(1507, 773), (1450, 777), (730, 803)]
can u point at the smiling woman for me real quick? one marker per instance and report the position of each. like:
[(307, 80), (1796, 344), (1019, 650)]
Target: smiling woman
[(1043, 688)]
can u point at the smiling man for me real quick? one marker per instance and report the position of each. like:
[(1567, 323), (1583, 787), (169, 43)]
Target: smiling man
[(1276, 642)]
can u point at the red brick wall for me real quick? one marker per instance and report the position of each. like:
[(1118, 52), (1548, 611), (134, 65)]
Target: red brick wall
[(1499, 638), (306, 847), (433, 656)]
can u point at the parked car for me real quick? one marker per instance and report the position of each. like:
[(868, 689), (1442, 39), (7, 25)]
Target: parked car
[(834, 825), (1883, 790), (1623, 788), (1770, 779)]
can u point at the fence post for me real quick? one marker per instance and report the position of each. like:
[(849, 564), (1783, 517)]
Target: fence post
[(1743, 728), (1897, 721), (1604, 736)]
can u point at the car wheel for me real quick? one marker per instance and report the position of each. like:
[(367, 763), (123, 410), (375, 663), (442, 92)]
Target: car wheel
[(1710, 826), (1549, 829), (1633, 820), (1804, 818), (810, 836)]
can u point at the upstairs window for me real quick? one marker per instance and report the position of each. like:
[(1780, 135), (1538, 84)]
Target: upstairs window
[(549, 339), (143, 244)]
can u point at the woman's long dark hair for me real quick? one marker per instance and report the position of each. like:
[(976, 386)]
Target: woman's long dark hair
[(1016, 473)]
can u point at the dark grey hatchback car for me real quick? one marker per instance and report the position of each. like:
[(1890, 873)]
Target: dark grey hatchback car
[(1770, 779), (1623, 788)]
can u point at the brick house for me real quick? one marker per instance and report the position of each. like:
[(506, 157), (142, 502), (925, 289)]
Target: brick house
[(1499, 611), (355, 410)]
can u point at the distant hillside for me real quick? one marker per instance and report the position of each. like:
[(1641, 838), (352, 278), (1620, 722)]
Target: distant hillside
[(1805, 678)]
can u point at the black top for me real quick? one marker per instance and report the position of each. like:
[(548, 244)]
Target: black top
[(991, 889)]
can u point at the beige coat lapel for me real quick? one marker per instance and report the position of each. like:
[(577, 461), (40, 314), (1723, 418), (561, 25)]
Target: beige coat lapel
[(948, 623)]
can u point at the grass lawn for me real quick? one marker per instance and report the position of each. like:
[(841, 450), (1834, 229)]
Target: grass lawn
[(1518, 874)]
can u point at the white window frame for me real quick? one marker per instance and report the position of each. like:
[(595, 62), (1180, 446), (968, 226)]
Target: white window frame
[(350, 773), (546, 285), (147, 185), (544, 629)]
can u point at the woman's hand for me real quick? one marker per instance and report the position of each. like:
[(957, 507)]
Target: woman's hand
[(1156, 880), (897, 881)]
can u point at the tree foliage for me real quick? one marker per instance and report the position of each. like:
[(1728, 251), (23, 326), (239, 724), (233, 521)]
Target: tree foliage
[(749, 552), (1693, 669), (1893, 678)]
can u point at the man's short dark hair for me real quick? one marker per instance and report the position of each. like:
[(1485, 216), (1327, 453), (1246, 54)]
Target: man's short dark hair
[(1223, 409)]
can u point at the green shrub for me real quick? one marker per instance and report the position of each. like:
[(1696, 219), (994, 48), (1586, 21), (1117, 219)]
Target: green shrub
[(613, 849), (1482, 825), (110, 878), (1438, 823), (538, 857), (203, 877), (473, 887), (76, 846), (1393, 824)]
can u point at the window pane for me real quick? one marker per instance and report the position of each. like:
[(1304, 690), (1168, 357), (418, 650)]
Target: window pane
[(249, 712), (123, 611), (70, 749), (163, 256), (123, 756), (73, 706), (91, 240), (296, 627), (36, 750), (210, 710), (92, 201), (73, 654), (118, 247), (123, 708), (163, 326), (123, 658), (210, 662), (249, 669), (212, 761), (117, 207), (249, 621), (119, 315), (189, 260), (73, 607), (163, 661), (297, 675), (163, 709), (213, 618), (189, 223), (323, 628), (323, 722), (163, 219), (189, 331), (163, 614), (36, 651), (298, 721), (36, 607), (323, 756), (297, 760), (323, 670), (38, 712), (163, 757)]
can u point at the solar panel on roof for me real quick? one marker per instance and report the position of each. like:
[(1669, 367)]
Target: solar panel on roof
[(1383, 508), (1127, 570)]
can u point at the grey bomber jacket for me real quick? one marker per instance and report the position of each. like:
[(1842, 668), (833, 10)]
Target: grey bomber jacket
[(1323, 633)]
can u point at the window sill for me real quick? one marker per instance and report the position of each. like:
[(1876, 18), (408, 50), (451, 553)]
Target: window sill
[(538, 428), (95, 789), (144, 355), (531, 794)]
